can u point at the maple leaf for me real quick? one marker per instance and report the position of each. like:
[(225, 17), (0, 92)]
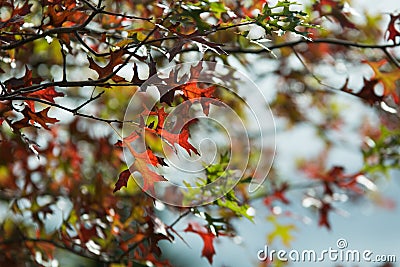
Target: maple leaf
[(387, 79), (178, 135), (67, 14), (392, 31), (367, 93), (142, 160), (24, 81), (115, 59), (208, 250), (46, 94), (40, 117), (284, 232), (194, 94), (278, 194)]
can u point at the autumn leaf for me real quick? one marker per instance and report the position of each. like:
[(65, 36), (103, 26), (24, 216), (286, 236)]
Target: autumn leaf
[(68, 15), (24, 81), (323, 214), (5, 108), (367, 93), (40, 117), (248, 8), (208, 250), (142, 160), (387, 79), (103, 72), (46, 94), (281, 231), (178, 135), (392, 31), (23, 10), (122, 180), (194, 94), (277, 194)]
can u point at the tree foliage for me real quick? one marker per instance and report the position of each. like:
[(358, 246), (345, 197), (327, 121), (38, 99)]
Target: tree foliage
[(69, 69)]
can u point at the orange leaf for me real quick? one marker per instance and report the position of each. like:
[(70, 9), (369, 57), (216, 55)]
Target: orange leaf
[(387, 79), (194, 94), (141, 165), (142, 160)]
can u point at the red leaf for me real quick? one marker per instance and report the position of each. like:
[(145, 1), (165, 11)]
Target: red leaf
[(86, 234), (46, 94), (67, 14), (115, 59), (142, 160), (179, 135), (278, 194), (208, 238), (5, 107), (391, 29)]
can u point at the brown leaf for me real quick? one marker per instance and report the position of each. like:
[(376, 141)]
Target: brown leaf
[(115, 60), (24, 81), (122, 180), (40, 117), (367, 93)]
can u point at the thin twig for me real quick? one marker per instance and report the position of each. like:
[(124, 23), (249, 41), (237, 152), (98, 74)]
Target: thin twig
[(310, 71), (179, 218), (391, 57), (91, 99), (64, 56), (101, 11), (73, 111)]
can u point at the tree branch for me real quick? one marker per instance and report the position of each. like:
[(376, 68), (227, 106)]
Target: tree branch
[(74, 111), (49, 32)]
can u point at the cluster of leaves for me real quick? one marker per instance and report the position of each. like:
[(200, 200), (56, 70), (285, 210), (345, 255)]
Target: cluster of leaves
[(68, 69)]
